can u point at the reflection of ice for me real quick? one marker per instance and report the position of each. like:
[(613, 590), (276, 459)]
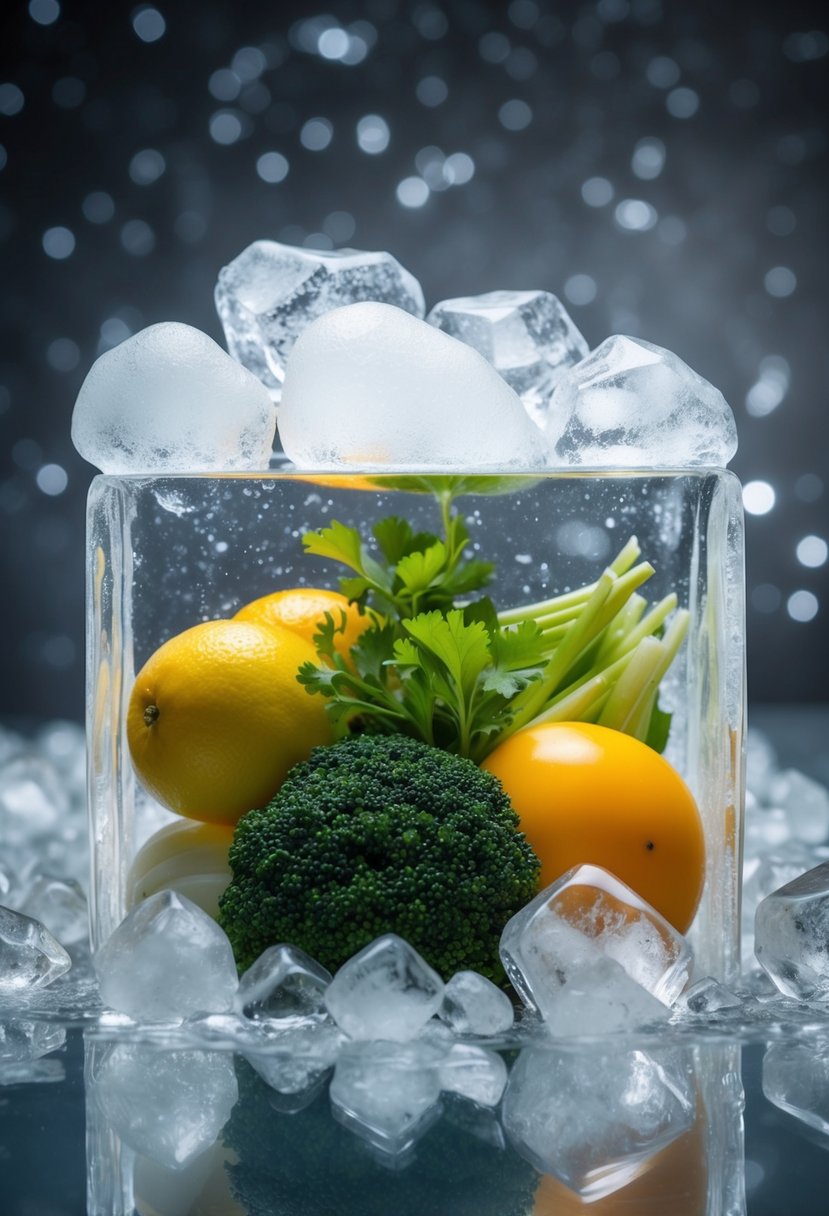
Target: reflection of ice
[(387, 1092), (592, 1118), (796, 1078), (23, 1045), (305, 1054)]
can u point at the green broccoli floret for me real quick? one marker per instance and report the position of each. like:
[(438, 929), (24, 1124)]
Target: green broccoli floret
[(380, 834)]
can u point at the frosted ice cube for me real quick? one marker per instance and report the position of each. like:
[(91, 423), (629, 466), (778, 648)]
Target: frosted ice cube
[(170, 400), (593, 1117), (762, 876), (33, 800), (270, 292), (791, 935), (299, 1058), (709, 996), (386, 991), (387, 1092), (590, 933), (631, 404), (527, 336), (805, 803), (796, 1079), (284, 982), (474, 1072), (371, 386), (473, 1005), (168, 1105), (60, 905), (167, 960), (29, 955), (767, 830)]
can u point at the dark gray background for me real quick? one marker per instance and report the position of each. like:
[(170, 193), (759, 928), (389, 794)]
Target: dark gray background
[(729, 271)]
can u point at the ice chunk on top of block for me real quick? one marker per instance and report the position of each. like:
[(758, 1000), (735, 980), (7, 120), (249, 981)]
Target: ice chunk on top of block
[(632, 404), (386, 991), (270, 292), (30, 957), (589, 934), (170, 400), (792, 935), (527, 336), (167, 960), (373, 387)]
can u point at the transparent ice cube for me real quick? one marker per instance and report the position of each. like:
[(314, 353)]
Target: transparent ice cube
[(766, 874), (387, 1092), (268, 294), (59, 904), (527, 336), (805, 803), (631, 404), (386, 991), (590, 933), (709, 996), (169, 1106), (23, 1044), (29, 955), (592, 1117), (371, 386), (796, 1079), (167, 960), (169, 399), (474, 1072), (284, 982), (791, 935), (473, 1005)]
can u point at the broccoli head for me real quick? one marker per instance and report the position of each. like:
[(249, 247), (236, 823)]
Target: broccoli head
[(380, 834)]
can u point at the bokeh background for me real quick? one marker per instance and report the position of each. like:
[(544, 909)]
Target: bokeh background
[(660, 166)]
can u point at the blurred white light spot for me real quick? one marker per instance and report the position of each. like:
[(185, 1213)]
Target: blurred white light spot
[(272, 167), (781, 221), (523, 13), (339, 226), (148, 24), (373, 134), (580, 289), (430, 22), (431, 91), (780, 282), (316, 134), (800, 48), (682, 103), (412, 192), (63, 355), (635, 215), (224, 85), (648, 158), (671, 230), (248, 63), (318, 240), (44, 12), (758, 497), (765, 597), (52, 479), (58, 651), (58, 243), (459, 169), (597, 191), (225, 127), (333, 43), (771, 386), (113, 331), (613, 10), (515, 115), (579, 539), (68, 92), (137, 238), (147, 166), (802, 606), (812, 551), (808, 487), (11, 99), (98, 207), (662, 72)]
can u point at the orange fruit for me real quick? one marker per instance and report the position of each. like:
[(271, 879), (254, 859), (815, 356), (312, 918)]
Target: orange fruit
[(589, 794), (217, 718), (303, 609)]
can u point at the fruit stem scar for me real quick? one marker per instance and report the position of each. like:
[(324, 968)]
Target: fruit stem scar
[(648, 846), (151, 715)]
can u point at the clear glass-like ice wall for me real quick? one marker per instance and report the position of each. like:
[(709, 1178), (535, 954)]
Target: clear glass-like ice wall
[(164, 553)]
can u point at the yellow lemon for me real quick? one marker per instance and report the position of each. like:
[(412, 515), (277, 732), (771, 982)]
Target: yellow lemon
[(217, 718), (303, 609), (187, 857)]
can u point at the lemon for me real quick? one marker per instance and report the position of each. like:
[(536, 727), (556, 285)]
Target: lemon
[(303, 609), (187, 857), (217, 718)]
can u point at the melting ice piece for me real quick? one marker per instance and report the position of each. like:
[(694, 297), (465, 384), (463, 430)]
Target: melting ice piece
[(170, 400), (796, 1078), (168, 1105), (791, 932), (805, 803), (473, 1005), (631, 404), (386, 991), (29, 955), (709, 996), (60, 905), (284, 982), (167, 960), (387, 1092), (593, 1117), (298, 1058), (590, 942), (527, 336), (475, 1073), (270, 292), (372, 387)]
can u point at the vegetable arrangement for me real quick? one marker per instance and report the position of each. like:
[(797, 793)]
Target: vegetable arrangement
[(461, 675)]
